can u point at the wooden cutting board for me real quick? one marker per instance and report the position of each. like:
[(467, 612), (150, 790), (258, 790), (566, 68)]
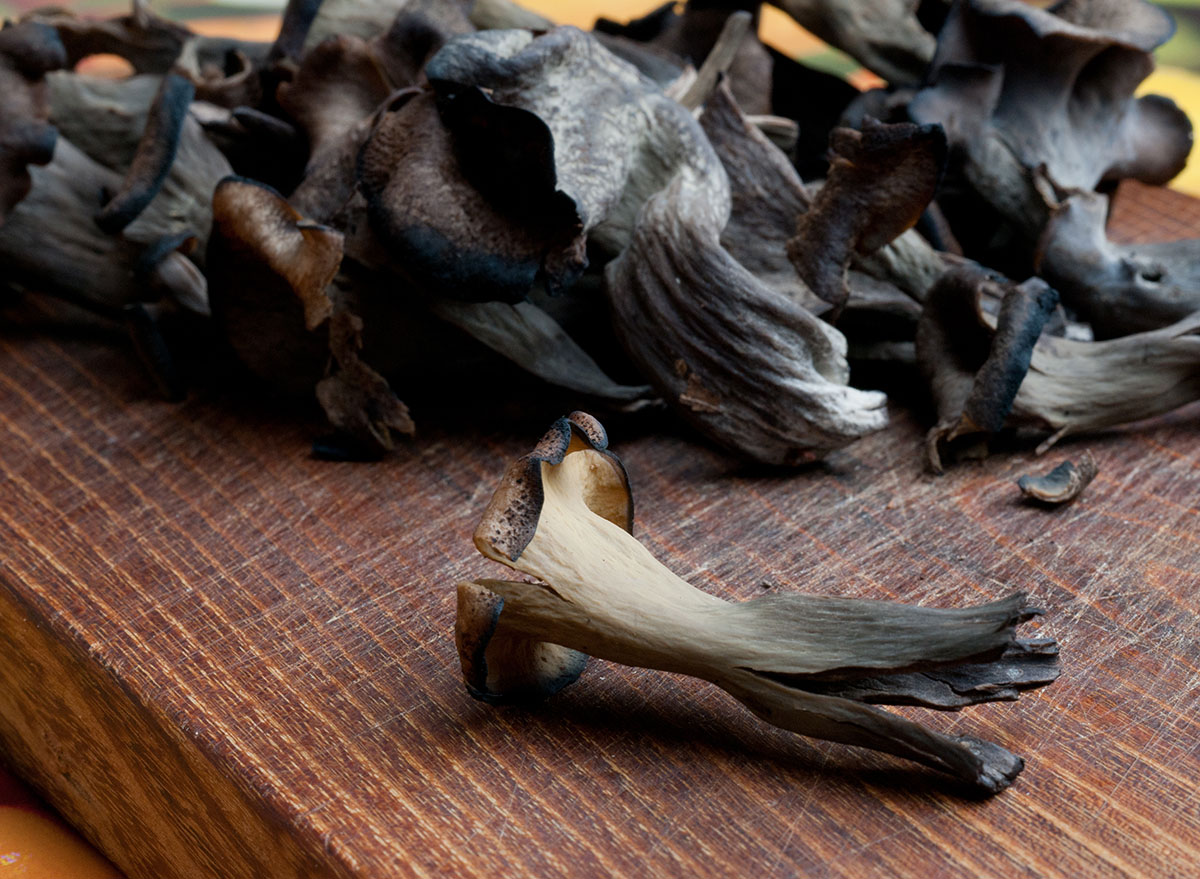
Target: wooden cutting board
[(222, 658)]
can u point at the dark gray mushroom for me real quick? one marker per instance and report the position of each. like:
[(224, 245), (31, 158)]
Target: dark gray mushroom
[(1021, 88), (975, 366), (51, 244), (27, 52), (1061, 485), (885, 36), (1118, 289), (562, 516)]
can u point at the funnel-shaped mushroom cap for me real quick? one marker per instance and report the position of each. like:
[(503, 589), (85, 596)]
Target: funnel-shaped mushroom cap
[(1065, 98), (501, 664)]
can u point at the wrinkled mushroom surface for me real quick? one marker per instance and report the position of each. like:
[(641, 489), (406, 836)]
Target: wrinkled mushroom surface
[(1021, 88)]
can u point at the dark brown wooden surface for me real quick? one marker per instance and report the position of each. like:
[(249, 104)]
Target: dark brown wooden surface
[(223, 658)]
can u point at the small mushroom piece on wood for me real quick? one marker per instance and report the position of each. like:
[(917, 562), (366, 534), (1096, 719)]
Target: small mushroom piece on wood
[(562, 515), (1061, 485)]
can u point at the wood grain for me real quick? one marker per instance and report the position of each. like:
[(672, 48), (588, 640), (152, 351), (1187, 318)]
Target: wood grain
[(221, 657)]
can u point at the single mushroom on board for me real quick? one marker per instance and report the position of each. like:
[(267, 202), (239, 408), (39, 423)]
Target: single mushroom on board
[(563, 516)]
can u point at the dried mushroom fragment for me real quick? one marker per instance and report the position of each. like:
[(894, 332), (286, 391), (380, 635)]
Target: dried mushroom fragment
[(103, 117), (154, 156), (147, 41), (271, 270), (768, 196), (532, 339), (268, 271), (1118, 289), (51, 244), (1061, 485), (805, 663), (751, 368), (27, 52)]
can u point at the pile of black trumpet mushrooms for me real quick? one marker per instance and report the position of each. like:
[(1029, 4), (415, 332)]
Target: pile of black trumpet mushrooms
[(663, 212), (658, 214)]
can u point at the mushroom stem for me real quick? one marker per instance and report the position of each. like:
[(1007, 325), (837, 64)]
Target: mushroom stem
[(718, 60)]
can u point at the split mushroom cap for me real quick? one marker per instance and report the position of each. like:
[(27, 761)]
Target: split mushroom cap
[(561, 515), (27, 52)]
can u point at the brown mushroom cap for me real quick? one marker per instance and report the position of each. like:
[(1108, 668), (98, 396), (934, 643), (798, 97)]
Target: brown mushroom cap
[(511, 517), (268, 271), (441, 231)]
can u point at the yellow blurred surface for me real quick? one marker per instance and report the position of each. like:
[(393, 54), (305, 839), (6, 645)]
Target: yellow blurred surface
[(35, 847)]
